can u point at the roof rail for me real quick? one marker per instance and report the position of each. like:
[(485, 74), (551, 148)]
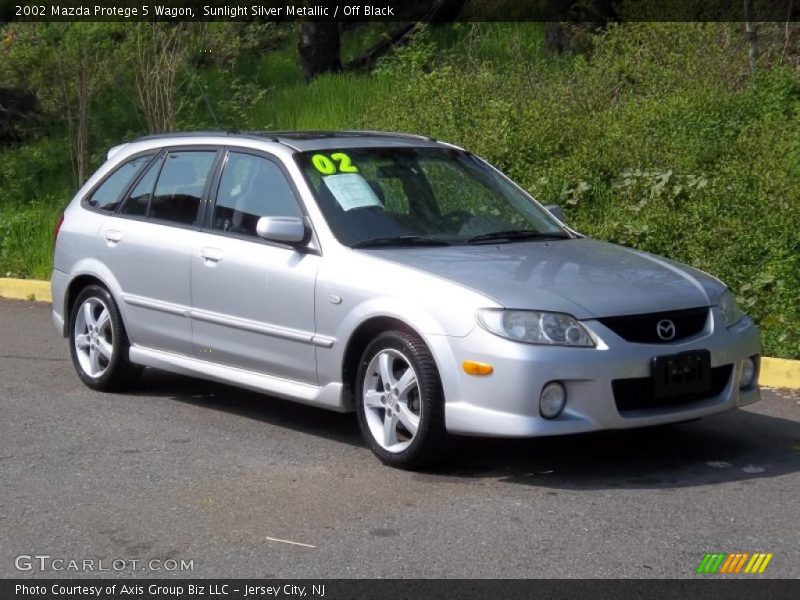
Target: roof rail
[(343, 133), (276, 136), (400, 134), (179, 134)]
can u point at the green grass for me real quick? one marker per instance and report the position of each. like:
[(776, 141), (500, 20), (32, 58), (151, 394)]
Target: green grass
[(274, 69), (660, 139), (26, 239), (36, 182), (328, 102), (499, 43)]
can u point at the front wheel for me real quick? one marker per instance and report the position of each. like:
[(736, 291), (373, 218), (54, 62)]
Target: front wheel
[(98, 342), (400, 402)]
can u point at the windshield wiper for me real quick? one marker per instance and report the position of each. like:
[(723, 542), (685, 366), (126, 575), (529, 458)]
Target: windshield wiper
[(400, 240), (517, 234)]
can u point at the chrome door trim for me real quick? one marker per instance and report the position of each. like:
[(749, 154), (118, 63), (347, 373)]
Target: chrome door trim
[(252, 326), (159, 305), (323, 341), (305, 337), (297, 335)]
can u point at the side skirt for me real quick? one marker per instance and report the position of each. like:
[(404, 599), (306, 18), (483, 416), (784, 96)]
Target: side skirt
[(328, 396)]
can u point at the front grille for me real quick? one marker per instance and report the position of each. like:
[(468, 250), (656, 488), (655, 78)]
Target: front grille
[(643, 329), (639, 393)]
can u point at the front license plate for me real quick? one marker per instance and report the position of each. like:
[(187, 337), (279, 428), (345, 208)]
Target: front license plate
[(682, 374)]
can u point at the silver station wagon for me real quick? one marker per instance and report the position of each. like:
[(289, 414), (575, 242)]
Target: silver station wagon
[(388, 274)]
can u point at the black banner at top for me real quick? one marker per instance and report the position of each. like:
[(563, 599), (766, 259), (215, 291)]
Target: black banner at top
[(399, 10)]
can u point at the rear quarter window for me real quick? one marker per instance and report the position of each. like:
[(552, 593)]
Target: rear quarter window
[(108, 194), (180, 186)]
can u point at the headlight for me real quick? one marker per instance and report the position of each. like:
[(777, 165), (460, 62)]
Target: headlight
[(535, 327), (731, 312)]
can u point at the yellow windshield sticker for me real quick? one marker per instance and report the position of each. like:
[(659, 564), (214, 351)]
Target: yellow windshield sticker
[(338, 161), (323, 164), (345, 164)]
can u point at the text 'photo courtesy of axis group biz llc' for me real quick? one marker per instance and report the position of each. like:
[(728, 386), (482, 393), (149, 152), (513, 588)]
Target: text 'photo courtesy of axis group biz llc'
[(425, 299)]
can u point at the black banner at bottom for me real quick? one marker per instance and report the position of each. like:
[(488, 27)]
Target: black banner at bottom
[(395, 589)]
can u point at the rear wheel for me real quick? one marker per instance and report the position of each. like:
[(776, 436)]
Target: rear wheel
[(400, 401), (98, 343)]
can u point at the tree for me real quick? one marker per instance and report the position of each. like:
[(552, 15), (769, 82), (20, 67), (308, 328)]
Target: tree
[(319, 47), (568, 22), (320, 43), (65, 65), (752, 34), (158, 53), (17, 109)]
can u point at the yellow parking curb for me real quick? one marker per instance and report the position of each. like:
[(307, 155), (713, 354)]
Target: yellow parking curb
[(780, 372), (25, 289), (775, 372)]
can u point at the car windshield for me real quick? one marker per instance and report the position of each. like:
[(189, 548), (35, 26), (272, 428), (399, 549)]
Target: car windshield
[(421, 196)]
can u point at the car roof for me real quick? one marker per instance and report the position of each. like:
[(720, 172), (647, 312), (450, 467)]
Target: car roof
[(315, 140)]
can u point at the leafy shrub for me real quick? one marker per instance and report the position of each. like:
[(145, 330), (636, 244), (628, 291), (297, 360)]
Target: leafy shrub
[(660, 138)]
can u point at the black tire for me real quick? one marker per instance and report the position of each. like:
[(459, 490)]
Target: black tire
[(429, 444), (119, 373)]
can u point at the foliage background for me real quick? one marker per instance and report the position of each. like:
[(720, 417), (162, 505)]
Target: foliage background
[(660, 136)]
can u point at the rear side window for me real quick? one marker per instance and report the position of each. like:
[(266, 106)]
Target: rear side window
[(180, 186), (252, 187), (138, 200), (107, 195)]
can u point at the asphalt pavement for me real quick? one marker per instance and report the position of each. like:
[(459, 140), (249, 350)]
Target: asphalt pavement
[(244, 485)]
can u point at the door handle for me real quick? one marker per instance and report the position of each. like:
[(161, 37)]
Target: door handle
[(113, 236), (211, 255)]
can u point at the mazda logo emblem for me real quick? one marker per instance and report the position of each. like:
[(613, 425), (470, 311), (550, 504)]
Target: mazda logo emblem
[(665, 329)]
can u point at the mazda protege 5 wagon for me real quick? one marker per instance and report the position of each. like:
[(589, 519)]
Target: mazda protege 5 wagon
[(392, 275)]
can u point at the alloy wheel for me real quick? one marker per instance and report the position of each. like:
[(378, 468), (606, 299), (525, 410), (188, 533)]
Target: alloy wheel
[(94, 337), (391, 400)]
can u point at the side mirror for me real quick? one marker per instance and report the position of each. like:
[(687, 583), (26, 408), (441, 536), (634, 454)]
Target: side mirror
[(289, 230), (556, 211)]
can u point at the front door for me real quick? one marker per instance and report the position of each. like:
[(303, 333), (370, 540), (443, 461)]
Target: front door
[(253, 301)]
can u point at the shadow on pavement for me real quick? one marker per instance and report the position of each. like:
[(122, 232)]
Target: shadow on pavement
[(737, 446), (339, 427)]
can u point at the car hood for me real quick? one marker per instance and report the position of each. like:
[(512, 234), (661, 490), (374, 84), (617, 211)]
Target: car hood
[(583, 277)]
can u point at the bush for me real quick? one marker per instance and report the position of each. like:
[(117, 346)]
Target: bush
[(26, 239), (660, 138)]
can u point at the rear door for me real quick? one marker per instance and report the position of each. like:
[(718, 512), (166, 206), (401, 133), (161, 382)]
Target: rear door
[(148, 242), (253, 300)]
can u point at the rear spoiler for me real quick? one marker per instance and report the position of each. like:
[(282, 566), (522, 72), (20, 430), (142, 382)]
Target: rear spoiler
[(112, 151)]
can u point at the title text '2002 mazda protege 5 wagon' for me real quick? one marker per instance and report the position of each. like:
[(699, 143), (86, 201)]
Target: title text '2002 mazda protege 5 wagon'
[(390, 274)]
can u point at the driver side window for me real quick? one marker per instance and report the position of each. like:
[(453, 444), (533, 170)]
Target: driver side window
[(251, 187)]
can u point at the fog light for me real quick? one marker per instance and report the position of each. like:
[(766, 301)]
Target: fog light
[(552, 400), (748, 373)]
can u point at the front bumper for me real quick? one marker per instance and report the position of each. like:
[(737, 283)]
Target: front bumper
[(506, 403)]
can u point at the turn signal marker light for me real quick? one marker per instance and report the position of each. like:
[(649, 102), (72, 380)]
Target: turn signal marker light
[(477, 368)]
